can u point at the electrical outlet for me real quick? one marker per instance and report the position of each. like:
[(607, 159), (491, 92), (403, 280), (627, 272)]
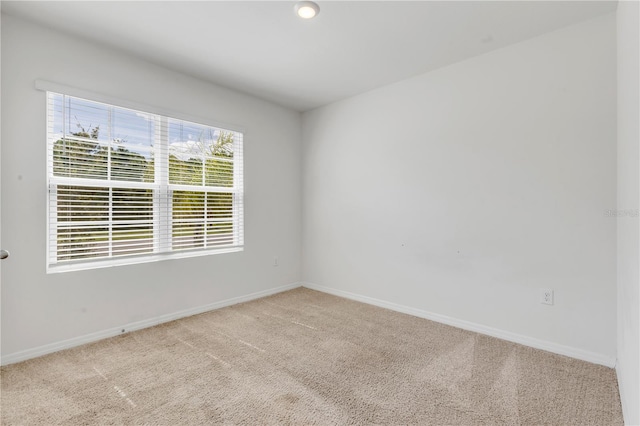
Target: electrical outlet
[(546, 296)]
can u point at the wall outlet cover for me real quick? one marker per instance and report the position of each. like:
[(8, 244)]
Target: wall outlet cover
[(546, 296)]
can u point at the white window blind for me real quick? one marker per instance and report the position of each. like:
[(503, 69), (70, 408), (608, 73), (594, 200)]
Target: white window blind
[(130, 184)]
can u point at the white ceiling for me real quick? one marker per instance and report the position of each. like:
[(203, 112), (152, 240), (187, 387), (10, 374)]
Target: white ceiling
[(262, 48)]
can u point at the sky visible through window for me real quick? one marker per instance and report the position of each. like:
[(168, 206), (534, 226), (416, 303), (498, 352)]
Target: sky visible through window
[(136, 129)]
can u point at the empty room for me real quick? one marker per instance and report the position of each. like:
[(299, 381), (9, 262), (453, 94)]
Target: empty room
[(320, 213)]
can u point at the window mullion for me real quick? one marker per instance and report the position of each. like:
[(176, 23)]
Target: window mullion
[(162, 214), (109, 124), (204, 220), (109, 115), (110, 240)]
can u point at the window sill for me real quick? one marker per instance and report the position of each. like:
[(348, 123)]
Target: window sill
[(130, 260)]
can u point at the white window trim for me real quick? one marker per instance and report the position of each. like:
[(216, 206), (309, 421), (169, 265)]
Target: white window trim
[(136, 260), (47, 86)]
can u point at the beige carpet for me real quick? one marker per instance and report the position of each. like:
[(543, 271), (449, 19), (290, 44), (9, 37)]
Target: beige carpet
[(304, 357)]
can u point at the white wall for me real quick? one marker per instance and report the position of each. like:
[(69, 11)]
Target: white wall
[(628, 366), (40, 309), (462, 191)]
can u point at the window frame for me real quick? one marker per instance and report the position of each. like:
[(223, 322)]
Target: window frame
[(162, 189)]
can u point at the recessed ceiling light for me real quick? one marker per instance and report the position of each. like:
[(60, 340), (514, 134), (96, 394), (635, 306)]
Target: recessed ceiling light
[(307, 9)]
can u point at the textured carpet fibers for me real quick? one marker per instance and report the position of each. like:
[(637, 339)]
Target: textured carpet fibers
[(304, 357)]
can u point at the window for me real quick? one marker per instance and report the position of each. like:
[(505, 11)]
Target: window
[(128, 186)]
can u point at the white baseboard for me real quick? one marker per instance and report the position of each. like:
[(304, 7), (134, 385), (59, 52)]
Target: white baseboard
[(471, 326), (92, 337), (466, 325)]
